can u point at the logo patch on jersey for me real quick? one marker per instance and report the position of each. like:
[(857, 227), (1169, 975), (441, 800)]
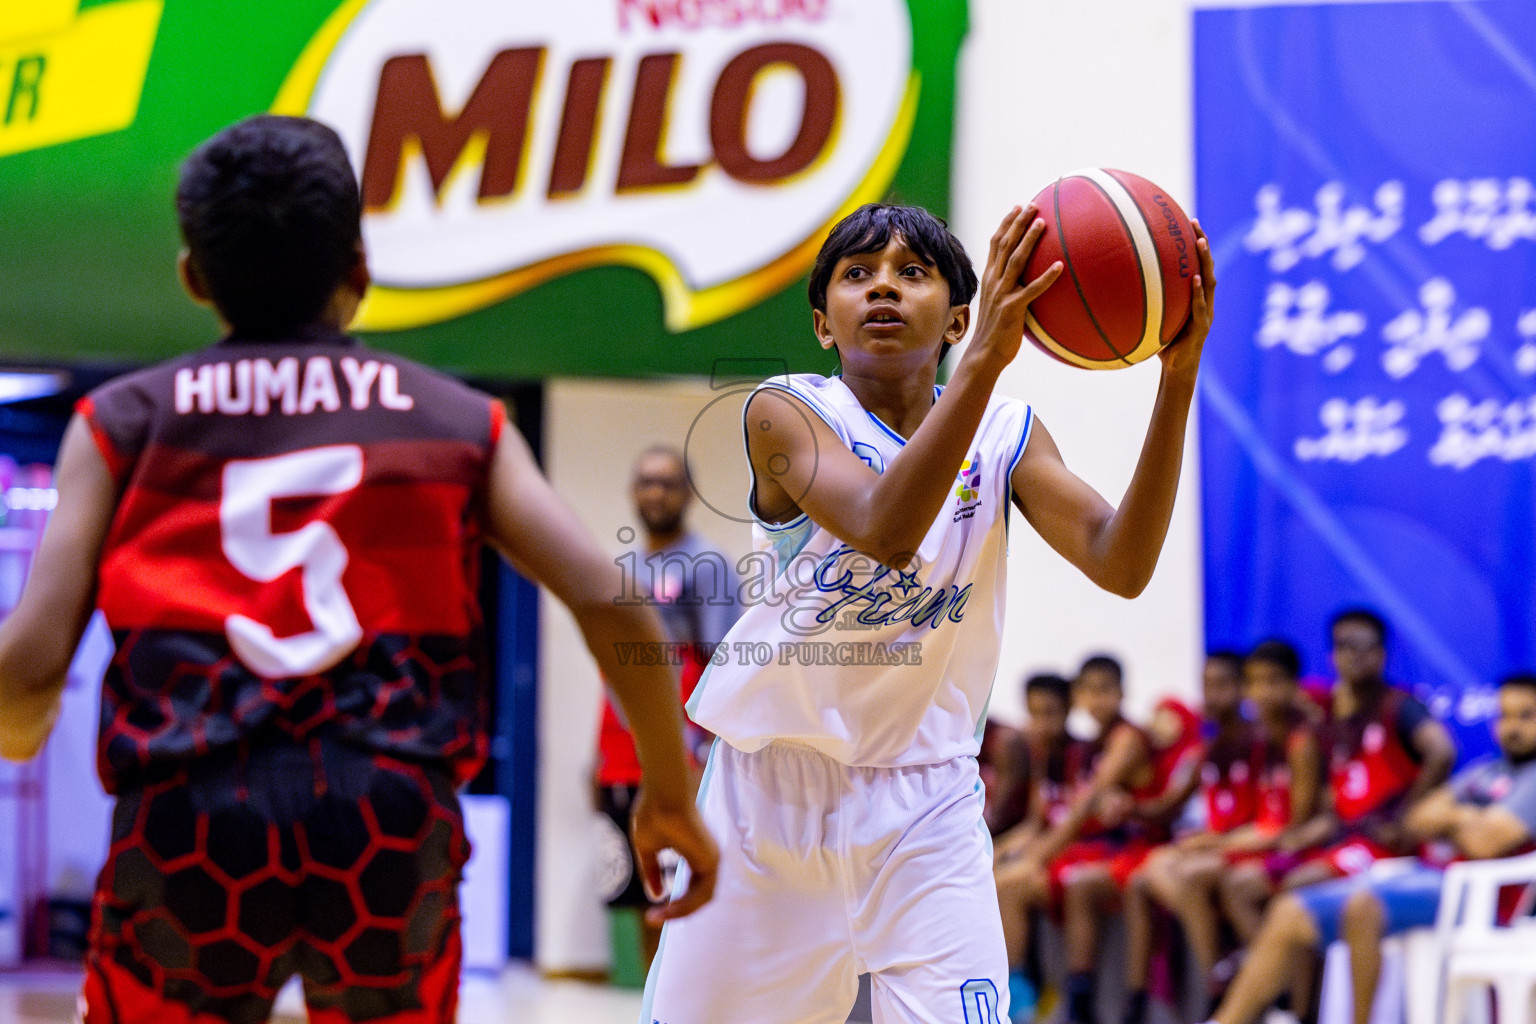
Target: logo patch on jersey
[(968, 488)]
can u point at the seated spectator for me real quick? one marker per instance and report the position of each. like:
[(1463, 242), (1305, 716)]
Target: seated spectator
[(1489, 810), (1048, 698), (1183, 877), (1082, 861)]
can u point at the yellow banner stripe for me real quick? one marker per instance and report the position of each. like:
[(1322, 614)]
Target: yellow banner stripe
[(77, 83)]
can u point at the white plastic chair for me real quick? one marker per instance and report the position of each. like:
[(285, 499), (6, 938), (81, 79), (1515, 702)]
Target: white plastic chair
[(1480, 953)]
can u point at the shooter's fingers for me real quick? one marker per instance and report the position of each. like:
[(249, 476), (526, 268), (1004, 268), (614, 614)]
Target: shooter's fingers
[(1013, 271), (1038, 286)]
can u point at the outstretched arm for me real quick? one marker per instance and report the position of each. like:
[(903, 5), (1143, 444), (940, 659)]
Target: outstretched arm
[(529, 524), (802, 466), (1117, 548), (38, 639)]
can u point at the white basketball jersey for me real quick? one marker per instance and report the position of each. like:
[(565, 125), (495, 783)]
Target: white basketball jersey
[(870, 665)]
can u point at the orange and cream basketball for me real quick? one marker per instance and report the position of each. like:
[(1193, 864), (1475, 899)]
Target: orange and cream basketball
[(1129, 257)]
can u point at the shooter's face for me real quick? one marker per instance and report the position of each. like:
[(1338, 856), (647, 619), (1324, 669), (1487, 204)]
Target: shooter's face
[(660, 492), (888, 308)]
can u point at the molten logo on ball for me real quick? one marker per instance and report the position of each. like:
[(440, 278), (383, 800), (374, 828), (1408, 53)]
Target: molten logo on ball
[(1127, 287)]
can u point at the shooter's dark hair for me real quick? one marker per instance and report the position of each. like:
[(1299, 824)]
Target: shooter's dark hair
[(271, 215), (869, 229), (1228, 657), (1524, 680), (1104, 663), (1052, 684), (1279, 654), (1364, 616)]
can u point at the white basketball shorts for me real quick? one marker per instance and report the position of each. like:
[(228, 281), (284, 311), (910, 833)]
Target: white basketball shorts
[(828, 871)]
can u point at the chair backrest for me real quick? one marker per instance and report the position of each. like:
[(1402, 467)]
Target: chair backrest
[(1469, 900)]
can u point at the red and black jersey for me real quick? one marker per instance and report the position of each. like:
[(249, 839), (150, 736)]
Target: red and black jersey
[(1227, 779), (1050, 764), (1272, 769), (1082, 763), (1371, 765), (295, 551)]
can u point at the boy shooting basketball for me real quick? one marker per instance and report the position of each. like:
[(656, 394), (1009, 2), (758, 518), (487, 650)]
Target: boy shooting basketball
[(283, 531), (846, 797)]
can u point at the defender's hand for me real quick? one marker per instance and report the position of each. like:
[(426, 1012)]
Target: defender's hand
[(658, 827), (30, 718), (1181, 356), (1004, 294)]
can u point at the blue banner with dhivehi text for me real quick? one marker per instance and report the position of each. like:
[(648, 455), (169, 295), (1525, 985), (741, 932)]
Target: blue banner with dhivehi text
[(1365, 173)]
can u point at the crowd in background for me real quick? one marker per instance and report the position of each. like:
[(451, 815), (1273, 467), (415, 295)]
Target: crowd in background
[(1204, 819)]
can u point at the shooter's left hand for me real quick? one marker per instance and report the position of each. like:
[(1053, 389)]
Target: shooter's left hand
[(1181, 356)]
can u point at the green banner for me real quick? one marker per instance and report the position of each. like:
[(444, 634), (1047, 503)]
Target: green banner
[(560, 187)]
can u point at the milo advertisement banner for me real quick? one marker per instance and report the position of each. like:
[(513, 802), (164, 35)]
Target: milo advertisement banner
[(607, 187)]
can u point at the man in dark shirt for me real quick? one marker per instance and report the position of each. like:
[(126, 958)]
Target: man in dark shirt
[(696, 591)]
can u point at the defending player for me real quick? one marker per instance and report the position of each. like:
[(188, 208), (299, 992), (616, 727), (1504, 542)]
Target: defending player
[(846, 797), (283, 531)]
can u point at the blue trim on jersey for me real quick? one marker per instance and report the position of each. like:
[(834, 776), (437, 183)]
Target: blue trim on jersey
[(692, 705), (981, 723), (877, 421), (1018, 453)]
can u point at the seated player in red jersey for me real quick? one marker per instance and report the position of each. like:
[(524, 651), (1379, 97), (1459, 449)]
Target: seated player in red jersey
[(1487, 810), (1385, 750), (1046, 746), (1020, 883), (1288, 776), (1182, 877), (1082, 861), (283, 531)]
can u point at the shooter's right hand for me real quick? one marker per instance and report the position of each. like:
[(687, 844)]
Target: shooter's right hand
[(1004, 294), (658, 826)]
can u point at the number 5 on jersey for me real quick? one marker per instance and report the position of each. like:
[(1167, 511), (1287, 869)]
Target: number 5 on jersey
[(245, 533)]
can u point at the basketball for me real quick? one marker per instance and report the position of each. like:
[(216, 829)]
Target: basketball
[(1129, 258)]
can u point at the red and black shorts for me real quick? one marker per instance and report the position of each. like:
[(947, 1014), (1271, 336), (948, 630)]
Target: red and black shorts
[(234, 874), (1120, 857)]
